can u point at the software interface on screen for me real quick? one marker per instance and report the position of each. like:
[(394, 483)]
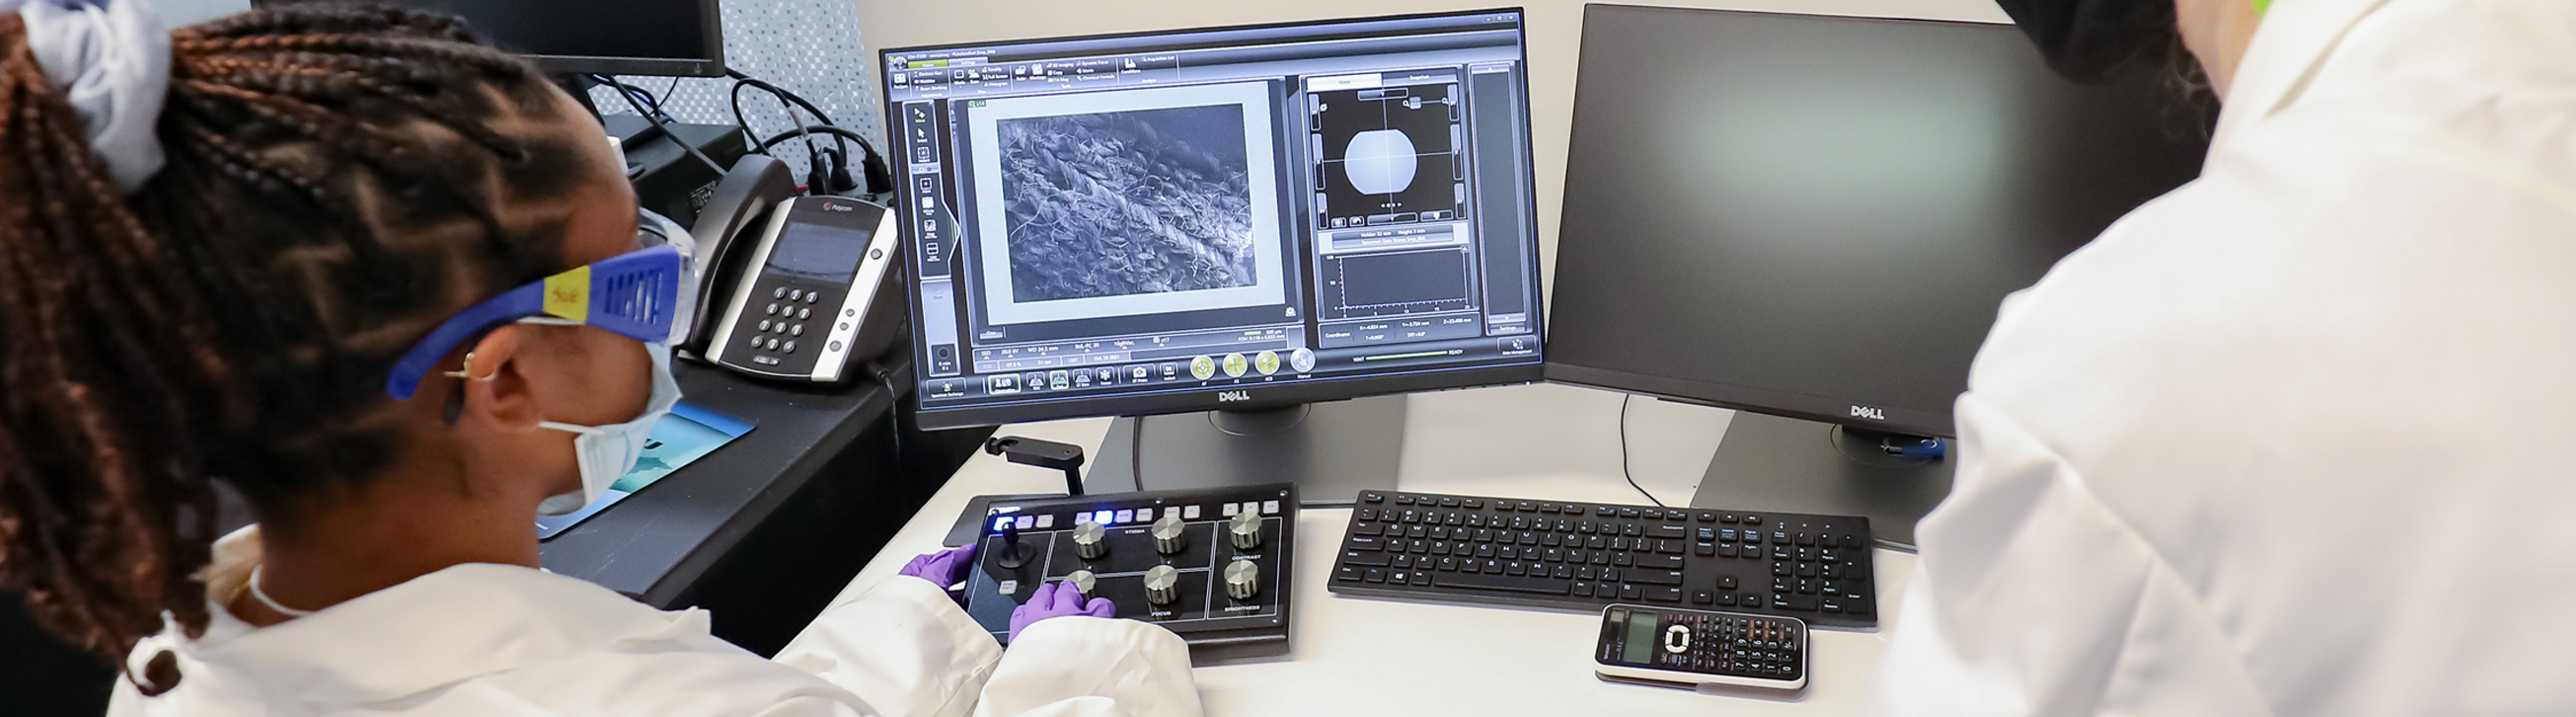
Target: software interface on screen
[(1121, 216)]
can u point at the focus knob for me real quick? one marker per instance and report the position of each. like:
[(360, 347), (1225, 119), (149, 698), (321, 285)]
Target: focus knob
[(1090, 540), (1242, 579), (1082, 580), (1170, 534), (1244, 530), (1162, 583)]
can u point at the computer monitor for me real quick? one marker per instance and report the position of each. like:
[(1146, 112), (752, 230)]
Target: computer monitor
[(1815, 218), (669, 38), (1240, 218)]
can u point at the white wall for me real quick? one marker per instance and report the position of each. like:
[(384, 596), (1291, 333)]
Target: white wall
[(1555, 29), (189, 12)]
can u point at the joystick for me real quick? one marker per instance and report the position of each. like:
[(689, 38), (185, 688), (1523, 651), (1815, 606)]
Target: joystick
[(1013, 553)]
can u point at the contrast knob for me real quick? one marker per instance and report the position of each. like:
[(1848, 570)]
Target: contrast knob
[(1244, 530), (1242, 579), (1082, 580), (1162, 584), (1170, 534), (1090, 540)]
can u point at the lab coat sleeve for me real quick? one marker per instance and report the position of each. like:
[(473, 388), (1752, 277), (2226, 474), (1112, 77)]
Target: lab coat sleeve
[(1092, 667), (2033, 598), (903, 646)]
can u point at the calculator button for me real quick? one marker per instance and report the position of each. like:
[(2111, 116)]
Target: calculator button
[(804, 313), (797, 330), (764, 324), (778, 293), (773, 308), (810, 296), (794, 294), (791, 347)]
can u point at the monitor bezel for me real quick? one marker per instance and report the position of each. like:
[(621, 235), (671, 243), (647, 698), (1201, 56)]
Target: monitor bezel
[(1245, 396), (711, 39)]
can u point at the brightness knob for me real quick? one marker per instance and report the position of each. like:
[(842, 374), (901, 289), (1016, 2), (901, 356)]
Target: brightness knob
[(1162, 584), (1171, 536), (1242, 579), (1082, 580), (1090, 540), (1244, 530)]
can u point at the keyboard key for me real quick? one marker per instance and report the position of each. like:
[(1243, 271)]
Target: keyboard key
[(1801, 603), (1346, 574), (1703, 597), (1376, 576), (1708, 516), (1353, 557), (1367, 544), (1621, 560), (1660, 562), (1655, 577), (1421, 578), (1664, 594), (1668, 531), (1726, 550), (1726, 582), (1631, 592), (1496, 583), (1751, 601), (1583, 590), (1372, 497), (1472, 504), (1706, 549)]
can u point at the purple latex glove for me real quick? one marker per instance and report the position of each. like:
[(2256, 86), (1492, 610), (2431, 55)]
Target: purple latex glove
[(943, 568), (1057, 599)]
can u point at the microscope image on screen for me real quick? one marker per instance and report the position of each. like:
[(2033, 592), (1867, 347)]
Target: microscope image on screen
[(1132, 202), (1126, 203), (1387, 155)]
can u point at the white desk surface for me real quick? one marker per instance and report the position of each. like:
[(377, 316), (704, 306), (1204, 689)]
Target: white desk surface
[(1353, 656)]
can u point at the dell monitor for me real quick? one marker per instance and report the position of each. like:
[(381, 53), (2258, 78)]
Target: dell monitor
[(670, 38), (1813, 219), (1248, 220)]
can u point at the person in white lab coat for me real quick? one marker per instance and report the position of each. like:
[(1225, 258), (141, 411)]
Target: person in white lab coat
[(358, 268), (2291, 439)]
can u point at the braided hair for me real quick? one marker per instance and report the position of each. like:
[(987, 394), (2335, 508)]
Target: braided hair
[(339, 180)]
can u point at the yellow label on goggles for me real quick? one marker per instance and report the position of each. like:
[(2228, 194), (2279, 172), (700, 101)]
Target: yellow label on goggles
[(568, 294)]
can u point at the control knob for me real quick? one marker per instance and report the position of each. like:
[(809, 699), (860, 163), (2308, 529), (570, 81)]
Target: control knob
[(1244, 530), (1242, 579), (1171, 536), (1090, 540), (1082, 580), (1162, 584)]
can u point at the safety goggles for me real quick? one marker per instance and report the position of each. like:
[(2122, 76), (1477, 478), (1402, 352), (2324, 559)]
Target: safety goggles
[(648, 295)]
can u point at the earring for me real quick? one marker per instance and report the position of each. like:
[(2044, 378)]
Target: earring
[(460, 371)]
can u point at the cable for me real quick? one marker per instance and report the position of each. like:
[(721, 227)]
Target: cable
[(674, 134), (894, 412), (665, 99), (874, 166), (879, 179), (637, 93), (1623, 452)]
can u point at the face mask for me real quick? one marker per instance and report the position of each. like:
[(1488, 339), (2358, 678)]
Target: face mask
[(606, 453)]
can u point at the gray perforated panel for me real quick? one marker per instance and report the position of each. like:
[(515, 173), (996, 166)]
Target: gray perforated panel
[(810, 47)]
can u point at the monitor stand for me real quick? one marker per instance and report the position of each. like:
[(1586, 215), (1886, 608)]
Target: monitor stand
[(1331, 451), (1785, 464)]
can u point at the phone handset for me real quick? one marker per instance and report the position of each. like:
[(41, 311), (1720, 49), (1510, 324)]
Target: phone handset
[(740, 204)]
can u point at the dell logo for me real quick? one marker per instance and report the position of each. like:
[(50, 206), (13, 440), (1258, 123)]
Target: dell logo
[(1868, 413), (1233, 396)]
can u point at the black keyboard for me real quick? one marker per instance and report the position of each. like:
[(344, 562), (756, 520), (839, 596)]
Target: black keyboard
[(1583, 556)]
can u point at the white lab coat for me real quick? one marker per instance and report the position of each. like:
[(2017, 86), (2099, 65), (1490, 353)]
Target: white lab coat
[(2292, 439), (482, 639)]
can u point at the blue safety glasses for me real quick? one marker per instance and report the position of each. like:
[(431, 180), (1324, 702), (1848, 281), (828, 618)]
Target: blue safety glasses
[(648, 295)]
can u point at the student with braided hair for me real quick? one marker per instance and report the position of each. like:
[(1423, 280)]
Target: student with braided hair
[(319, 254)]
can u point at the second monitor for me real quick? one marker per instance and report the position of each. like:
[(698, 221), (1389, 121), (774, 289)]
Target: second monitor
[(1251, 218)]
